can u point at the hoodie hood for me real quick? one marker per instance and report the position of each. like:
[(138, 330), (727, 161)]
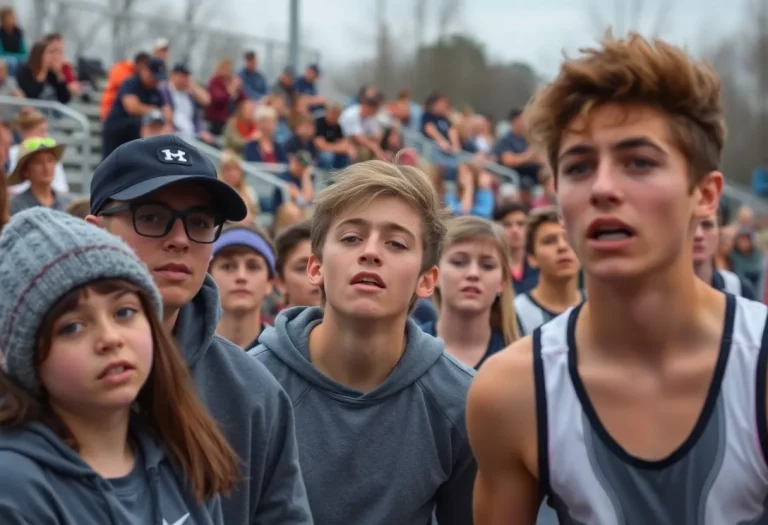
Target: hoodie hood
[(41, 445), (197, 322), (289, 342)]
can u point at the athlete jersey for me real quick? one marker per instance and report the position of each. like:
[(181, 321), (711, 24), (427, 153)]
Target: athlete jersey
[(530, 314), (729, 282), (718, 476)]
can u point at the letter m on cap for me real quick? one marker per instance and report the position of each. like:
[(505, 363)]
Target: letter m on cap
[(173, 156)]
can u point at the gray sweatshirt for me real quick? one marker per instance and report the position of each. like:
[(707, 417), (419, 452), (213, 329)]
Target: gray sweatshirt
[(390, 456), (43, 481), (253, 412)]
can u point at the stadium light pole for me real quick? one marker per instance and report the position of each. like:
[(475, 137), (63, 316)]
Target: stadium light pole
[(293, 37)]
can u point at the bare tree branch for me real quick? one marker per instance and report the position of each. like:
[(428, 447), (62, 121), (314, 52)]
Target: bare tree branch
[(448, 13)]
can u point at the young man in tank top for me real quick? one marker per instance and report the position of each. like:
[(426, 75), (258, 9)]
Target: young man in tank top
[(549, 252), (705, 242), (617, 410)]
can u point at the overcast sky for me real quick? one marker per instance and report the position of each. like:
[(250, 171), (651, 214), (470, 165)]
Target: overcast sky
[(536, 32)]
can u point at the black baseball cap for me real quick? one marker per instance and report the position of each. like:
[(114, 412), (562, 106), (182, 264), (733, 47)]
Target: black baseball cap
[(143, 166), (181, 68), (157, 68)]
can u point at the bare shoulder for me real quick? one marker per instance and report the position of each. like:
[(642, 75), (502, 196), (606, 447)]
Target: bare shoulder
[(503, 393)]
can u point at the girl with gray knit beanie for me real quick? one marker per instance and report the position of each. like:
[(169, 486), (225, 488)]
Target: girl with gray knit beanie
[(99, 423)]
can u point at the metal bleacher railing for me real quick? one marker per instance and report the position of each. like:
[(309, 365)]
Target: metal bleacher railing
[(426, 147), (59, 111)]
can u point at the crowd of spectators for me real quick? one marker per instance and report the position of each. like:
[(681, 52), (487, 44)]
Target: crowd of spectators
[(288, 124)]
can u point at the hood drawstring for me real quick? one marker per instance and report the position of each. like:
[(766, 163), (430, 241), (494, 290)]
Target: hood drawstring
[(152, 473), (105, 490)]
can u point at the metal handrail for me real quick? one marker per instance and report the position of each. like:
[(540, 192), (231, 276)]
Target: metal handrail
[(427, 146), (66, 111), (744, 197), (250, 169)]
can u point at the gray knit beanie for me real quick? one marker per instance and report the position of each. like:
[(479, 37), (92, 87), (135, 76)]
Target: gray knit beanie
[(45, 254)]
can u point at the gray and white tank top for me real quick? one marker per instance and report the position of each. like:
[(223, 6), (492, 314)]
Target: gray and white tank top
[(530, 314), (718, 476)]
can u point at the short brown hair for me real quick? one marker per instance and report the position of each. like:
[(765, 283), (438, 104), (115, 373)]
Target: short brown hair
[(363, 182), (287, 241), (79, 207), (642, 72), (536, 219)]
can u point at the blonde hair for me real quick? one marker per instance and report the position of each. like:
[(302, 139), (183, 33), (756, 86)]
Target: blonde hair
[(635, 71), (221, 64), (468, 228), (231, 158), (265, 112), (363, 182)]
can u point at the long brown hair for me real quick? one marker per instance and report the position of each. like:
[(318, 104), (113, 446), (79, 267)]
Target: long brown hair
[(35, 61), (167, 402)]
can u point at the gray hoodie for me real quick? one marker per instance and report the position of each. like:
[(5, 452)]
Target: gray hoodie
[(253, 412), (43, 481), (390, 456)]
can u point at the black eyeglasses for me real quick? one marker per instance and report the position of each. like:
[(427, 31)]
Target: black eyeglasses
[(154, 219)]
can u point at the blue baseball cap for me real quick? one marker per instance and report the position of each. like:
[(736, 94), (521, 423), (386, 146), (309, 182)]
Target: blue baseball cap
[(157, 68), (144, 166)]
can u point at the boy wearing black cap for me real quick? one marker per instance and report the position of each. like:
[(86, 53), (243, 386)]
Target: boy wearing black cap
[(137, 96), (162, 197), (243, 267)]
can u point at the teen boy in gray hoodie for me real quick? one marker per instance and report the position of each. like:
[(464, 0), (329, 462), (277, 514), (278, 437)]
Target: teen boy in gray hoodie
[(162, 197), (379, 406)]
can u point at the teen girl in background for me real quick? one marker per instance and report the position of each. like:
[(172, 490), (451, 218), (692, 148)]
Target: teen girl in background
[(474, 295), (99, 424)]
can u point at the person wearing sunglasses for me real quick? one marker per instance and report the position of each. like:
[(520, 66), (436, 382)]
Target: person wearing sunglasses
[(162, 196), (37, 163)]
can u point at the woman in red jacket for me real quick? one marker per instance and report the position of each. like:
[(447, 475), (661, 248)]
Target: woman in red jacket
[(226, 90)]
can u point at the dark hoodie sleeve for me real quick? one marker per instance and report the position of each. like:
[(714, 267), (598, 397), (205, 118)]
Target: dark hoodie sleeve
[(454, 498), (13, 516), (284, 497)]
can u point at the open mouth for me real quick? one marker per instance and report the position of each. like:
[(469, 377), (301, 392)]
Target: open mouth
[(114, 369), (370, 279), (609, 230)]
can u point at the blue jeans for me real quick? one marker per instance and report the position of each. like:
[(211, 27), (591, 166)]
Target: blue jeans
[(332, 161)]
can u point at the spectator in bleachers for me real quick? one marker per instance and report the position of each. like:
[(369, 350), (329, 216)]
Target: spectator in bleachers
[(162, 50), (287, 216), (154, 124), (186, 100), (725, 247), (225, 89), (241, 127), (37, 163), (8, 88), (138, 96), (285, 87), (760, 180), (119, 73), (359, 124), (745, 218), (12, 45), (298, 176), (548, 196), (332, 147), (306, 88), (480, 129), (747, 261), (512, 151), (392, 145), (266, 148), (407, 111), (254, 82), (32, 124), (437, 126), (293, 249), (473, 194), (56, 49), (283, 129), (303, 138), (41, 77), (231, 172)]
